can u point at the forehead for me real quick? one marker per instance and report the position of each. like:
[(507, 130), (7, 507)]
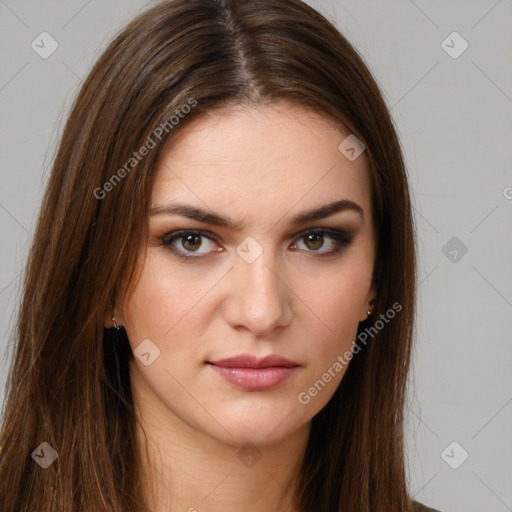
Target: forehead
[(259, 162)]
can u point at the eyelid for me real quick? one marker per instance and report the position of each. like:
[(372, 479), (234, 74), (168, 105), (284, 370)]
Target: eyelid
[(342, 237), (209, 234)]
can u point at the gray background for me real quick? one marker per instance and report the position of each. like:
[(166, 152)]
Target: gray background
[(454, 120)]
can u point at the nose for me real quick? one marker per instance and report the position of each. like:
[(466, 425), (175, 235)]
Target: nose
[(258, 299)]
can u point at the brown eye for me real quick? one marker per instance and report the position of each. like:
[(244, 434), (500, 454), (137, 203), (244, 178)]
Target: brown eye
[(186, 244), (315, 240), (191, 242)]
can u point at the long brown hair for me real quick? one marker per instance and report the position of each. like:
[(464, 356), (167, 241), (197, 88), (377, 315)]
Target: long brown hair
[(65, 385)]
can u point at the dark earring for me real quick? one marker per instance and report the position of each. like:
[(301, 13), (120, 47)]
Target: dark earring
[(116, 355), (116, 347)]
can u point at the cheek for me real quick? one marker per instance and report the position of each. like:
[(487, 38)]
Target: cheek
[(161, 300), (333, 327), (337, 304), (169, 300)]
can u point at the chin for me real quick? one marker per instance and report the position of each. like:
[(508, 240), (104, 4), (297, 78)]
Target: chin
[(257, 425)]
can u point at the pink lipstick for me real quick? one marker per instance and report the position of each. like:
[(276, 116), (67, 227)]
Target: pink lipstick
[(252, 374)]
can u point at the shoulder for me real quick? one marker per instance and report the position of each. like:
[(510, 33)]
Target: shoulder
[(419, 507)]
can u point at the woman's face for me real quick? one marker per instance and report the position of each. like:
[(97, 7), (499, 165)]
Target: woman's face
[(266, 285)]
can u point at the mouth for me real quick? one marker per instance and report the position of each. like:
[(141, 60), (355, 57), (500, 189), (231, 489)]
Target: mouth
[(252, 374)]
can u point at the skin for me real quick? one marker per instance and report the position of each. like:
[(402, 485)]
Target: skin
[(259, 166)]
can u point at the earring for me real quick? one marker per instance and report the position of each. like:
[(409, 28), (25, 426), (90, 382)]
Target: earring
[(114, 352), (369, 311)]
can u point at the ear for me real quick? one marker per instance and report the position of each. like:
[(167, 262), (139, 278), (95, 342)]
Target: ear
[(370, 297), (108, 323)]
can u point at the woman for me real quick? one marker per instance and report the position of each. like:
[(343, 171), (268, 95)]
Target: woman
[(218, 304)]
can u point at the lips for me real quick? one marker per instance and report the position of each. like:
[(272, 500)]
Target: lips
[(249, 373), (250, 361)]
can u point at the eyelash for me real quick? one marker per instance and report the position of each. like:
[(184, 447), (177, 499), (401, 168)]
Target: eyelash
[(342, 238)]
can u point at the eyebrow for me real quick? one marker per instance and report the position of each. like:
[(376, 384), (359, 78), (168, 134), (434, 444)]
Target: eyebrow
[(215, 219)]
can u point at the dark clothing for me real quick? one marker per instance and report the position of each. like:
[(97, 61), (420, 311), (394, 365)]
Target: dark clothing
[(419, 507)]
